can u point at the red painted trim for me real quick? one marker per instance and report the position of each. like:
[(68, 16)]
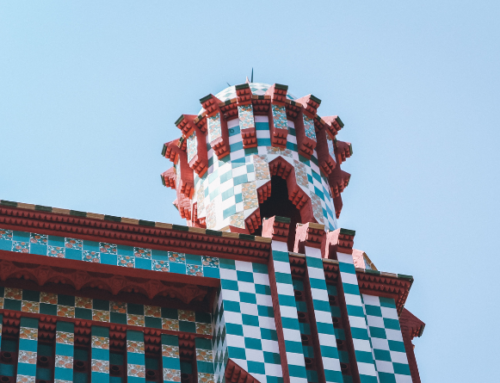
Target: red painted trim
[(133, 235), (278, 321), (63, 276), (45, 317)]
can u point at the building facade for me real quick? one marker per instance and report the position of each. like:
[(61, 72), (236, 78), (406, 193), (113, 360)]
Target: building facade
[(262, 285)]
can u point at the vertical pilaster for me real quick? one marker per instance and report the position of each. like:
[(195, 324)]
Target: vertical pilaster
[(171, 363), (309, 237), (287, 322), (100, 355), (204, 360), (386, 339), (65, 339), (28, 345), (136, 359), (343, 241)]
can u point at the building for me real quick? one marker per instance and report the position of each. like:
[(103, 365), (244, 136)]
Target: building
[(260, 286)]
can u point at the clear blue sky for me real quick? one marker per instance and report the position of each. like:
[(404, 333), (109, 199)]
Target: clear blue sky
[(89, 92)]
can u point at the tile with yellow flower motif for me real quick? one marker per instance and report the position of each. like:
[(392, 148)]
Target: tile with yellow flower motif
[(170, 351), (135, 320), (118, 307), (214, 127), (64, 361), (210, 261), (28, 333), (204, 355), (176, 257), (65, 337), (100, 366), (186, 315), (1, 303), (107, 248), (237, 220), (37, 239), (205, 378), (261, 168), (20, 247), (28, 357), (13, 293), (65, 311), (136, 370), (6, 235), (91, 256), (152, 311), (48, 298), (204, 328), (139, 252), (73, 243), (279, 117), (169, 324), (195, 270), (171, 375), (83, 303), (126, 261), (135, 346), (101, 342), (55, 251), (25, 379), (160, 265), (100, 315), (30, 307)]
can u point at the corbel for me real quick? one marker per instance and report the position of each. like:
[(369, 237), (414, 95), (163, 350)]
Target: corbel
[(196, 143), (216, 125), (245, 115), (278, 122)]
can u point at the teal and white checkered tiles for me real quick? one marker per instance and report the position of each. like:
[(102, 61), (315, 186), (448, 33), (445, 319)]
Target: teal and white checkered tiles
[(227, 193), (357, 321), (245, 329), (323, 316), (287, 312), (386, 339)]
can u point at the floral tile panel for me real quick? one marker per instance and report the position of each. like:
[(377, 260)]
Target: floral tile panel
[(112, 254)]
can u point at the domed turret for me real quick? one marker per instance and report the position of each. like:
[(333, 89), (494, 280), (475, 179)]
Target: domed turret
[(255, 151)]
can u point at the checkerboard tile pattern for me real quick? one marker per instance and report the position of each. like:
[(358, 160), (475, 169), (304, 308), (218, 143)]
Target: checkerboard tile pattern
[(245, 309), (28, 346), (100, 354), (109, 253), (339, 332), (204, 360), (219, 342), (65, 338), (305, 330), (357, 321), (136, 359), (170, 358), (100, 310), (287, 311), (386, 339), (322, 315), (227, 193)]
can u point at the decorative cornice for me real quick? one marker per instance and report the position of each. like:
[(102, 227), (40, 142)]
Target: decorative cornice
[(98, 280), (396, 286), (135, 232)]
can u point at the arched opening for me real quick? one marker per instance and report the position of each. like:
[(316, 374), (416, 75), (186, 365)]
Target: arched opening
[(279, 204)]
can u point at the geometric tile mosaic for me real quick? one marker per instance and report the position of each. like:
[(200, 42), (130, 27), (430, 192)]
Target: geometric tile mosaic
[(109, 253)]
